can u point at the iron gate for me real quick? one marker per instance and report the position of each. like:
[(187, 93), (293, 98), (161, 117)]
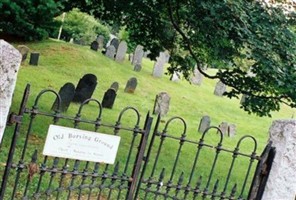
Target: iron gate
[(140, 171)]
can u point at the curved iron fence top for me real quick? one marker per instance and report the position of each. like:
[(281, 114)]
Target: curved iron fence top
[(246, 137), (218, 131), (173, 119), (126, 109), (47, 91), (86, 102)]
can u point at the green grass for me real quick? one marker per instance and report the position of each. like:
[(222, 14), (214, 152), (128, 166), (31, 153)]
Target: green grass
[(62, 62)]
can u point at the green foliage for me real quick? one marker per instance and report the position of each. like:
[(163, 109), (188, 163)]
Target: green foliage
[(27, 19), (82, 27)]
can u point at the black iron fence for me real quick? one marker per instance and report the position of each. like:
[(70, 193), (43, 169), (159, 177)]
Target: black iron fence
[(169, 166)]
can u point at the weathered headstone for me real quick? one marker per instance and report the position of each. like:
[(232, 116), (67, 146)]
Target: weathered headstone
[(67, 94), (231, 130), (138, 55), (137, 67), (159, 64), (10, 60), (197, 77), (115, 86), (121, 51), (130, 57), (146, 53), (224, 128), (34, 58), (162, 104), (175, 77), (204, 124), (94, 46), (167, 56), (110, 52), (109, 98), (115, 43), (24, 50), (131, 85), (220, 88), (85, 88), (100, 40)]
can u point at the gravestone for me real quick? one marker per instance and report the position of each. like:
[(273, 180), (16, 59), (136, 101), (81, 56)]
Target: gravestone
[(220, 89), (100, 40), (138, 55), (109, 98), (110, 52), (24, 50), (137, 67), (167, 56), (197, 77), (204, 124), (121, 51), (146, 53), (161, 104), (131, 85), (159, 64), (115, 86), (34, 58), (10, 60), (85, 88), (231, 130), (94, 46), (130, 57), (175, 77), (66, 93), (115, 42), (243, 99), (224, 128)]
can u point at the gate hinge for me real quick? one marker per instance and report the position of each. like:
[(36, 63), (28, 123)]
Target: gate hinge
[(14, 118)]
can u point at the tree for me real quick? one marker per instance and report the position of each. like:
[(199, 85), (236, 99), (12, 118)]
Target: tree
[(222, 34)]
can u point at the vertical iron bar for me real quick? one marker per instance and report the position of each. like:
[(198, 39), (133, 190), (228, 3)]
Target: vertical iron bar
[(74, 174), (94, 176), (63, 174), (13, 143), (197, 190), (52, 175), (160, 183), (32, 168), (42, 171), (84, 176), (113, 179)]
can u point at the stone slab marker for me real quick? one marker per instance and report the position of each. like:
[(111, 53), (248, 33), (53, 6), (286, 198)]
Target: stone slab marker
[(110, 52), (220, 89), (131, 85), (159, 64), (121, 51), (138, 55), (162, 104), (204, 124), (281, 183), (197, 77), (10, 60)]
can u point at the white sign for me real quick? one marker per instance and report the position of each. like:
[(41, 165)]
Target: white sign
[(80, 144)]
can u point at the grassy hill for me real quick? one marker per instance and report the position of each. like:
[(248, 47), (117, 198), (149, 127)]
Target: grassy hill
[(62, 62)]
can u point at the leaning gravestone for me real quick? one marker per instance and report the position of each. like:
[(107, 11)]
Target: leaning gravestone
[(110, 52), (137, 67), (231, 130), (109, 98), (224, 128), (85, 88), (100, 40), (121, 51), (10, 60), (204, 124), (159, 64), (138, 55), (197, 77), (115, 86), (131, 85), (34, 58), (115, 43), (67, 94), (24, 50), (161, 104), (94, 46), (220, 89)]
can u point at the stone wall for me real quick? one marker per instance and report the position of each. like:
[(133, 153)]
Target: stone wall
[(281, 184), (10, 60)]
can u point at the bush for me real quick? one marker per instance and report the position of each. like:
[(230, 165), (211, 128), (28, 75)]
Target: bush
[(28, 19), (82, 27)]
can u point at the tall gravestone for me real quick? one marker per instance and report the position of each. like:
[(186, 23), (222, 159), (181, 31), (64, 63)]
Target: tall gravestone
[(197, 77), (115, 42), (110, 52), (224, 128), (85, 88), (121, 51), (220, 89), (109, 98), (162, 104), (231, 130), (24, 50), (204, 124), (100, 40), (10, 60), (94, 46), (115, 86), (138, 55), (159, 65), (131, 85), (66, 93)]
